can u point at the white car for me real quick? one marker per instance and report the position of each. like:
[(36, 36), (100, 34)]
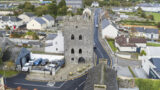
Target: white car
[(25, 68)]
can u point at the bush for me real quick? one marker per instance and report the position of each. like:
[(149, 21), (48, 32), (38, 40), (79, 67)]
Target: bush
[(143, 53)]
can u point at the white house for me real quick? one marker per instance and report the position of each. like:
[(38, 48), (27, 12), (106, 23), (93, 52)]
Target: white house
[(95, 4), (27, 16), (54, 43), (50, 20), (108, 30), (122, 9), (149, 7), (152, 67), (37, 24), (11, 21), (130, 44), (148, 33)]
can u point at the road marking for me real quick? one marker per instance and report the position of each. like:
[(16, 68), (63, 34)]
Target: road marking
[(40, 85), (81, 83), (75, 88)]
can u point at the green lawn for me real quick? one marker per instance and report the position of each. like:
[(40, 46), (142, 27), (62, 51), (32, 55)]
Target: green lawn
[(148, 84), (156, 16), (153, 44), (145, 23), (8, 73), (111, 43)]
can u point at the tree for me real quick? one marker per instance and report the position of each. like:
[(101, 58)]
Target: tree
[(62, 8), (139, 11), (158, 25), (27, 7), (41, 10), (52, 8), (143, 15), (8, 28), (143, 53)]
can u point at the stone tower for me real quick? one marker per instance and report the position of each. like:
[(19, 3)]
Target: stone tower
[(78, 40)]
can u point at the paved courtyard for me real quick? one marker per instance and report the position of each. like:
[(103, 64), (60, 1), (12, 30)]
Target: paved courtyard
[(69, 72)]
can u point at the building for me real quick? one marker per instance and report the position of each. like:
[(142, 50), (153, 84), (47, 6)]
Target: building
[(95, 4), (122, 9), (73, 3), (130, 44), (26, 17), (152, 67), (37, 24), (50, 20), (149, 7), (54, 43), (11, 21), (2, 83), (78, 40), (23, 57), (108, 30), (148, 33), (101, 77)]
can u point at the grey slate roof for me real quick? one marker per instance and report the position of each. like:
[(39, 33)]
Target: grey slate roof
[(29, 14), (156, 62), (48, 17), (51, 36), (22, 54), (40, 20), (11, 18), (146, 30), (105, 23)]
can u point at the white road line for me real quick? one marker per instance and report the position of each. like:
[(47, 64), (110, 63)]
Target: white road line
[(81, 83), (40, 85), (31, 84), (75, 88)]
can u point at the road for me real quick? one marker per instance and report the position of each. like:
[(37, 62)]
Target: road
[(19, 80), (100, 52)]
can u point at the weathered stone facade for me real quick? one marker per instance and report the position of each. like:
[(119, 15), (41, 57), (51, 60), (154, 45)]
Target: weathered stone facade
[(78, 40)]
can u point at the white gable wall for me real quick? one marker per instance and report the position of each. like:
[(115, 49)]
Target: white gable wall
[(49, 23), (34, 25), (25, 18), (109, 32), (57, 45)]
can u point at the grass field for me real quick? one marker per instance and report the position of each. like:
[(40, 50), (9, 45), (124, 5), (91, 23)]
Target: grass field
[(153, 44), (127, 22), (148, 84), (8, 73), (111, 43), (156, 16)]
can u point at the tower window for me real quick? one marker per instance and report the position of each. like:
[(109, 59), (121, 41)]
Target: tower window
[(72, 51), (72, 37), (72, 59), (80, 51), (80, 37), (76, 26)]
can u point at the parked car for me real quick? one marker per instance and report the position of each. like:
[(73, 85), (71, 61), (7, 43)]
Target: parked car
[(37, 62), (44, 62)]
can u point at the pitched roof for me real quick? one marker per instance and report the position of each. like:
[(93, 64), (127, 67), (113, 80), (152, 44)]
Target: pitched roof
[(29, 14), (105, 23), (48, 17), (51, 36), (22, 53), (40, 20), (146, 30), (11, 18), (131, 42), (156, 62)]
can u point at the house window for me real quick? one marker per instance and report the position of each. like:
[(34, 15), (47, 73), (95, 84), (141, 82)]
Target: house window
[(80, 51), (56, 49), (72, 37), (72, 51), (80, 37), (55, 42), (76, 26)]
